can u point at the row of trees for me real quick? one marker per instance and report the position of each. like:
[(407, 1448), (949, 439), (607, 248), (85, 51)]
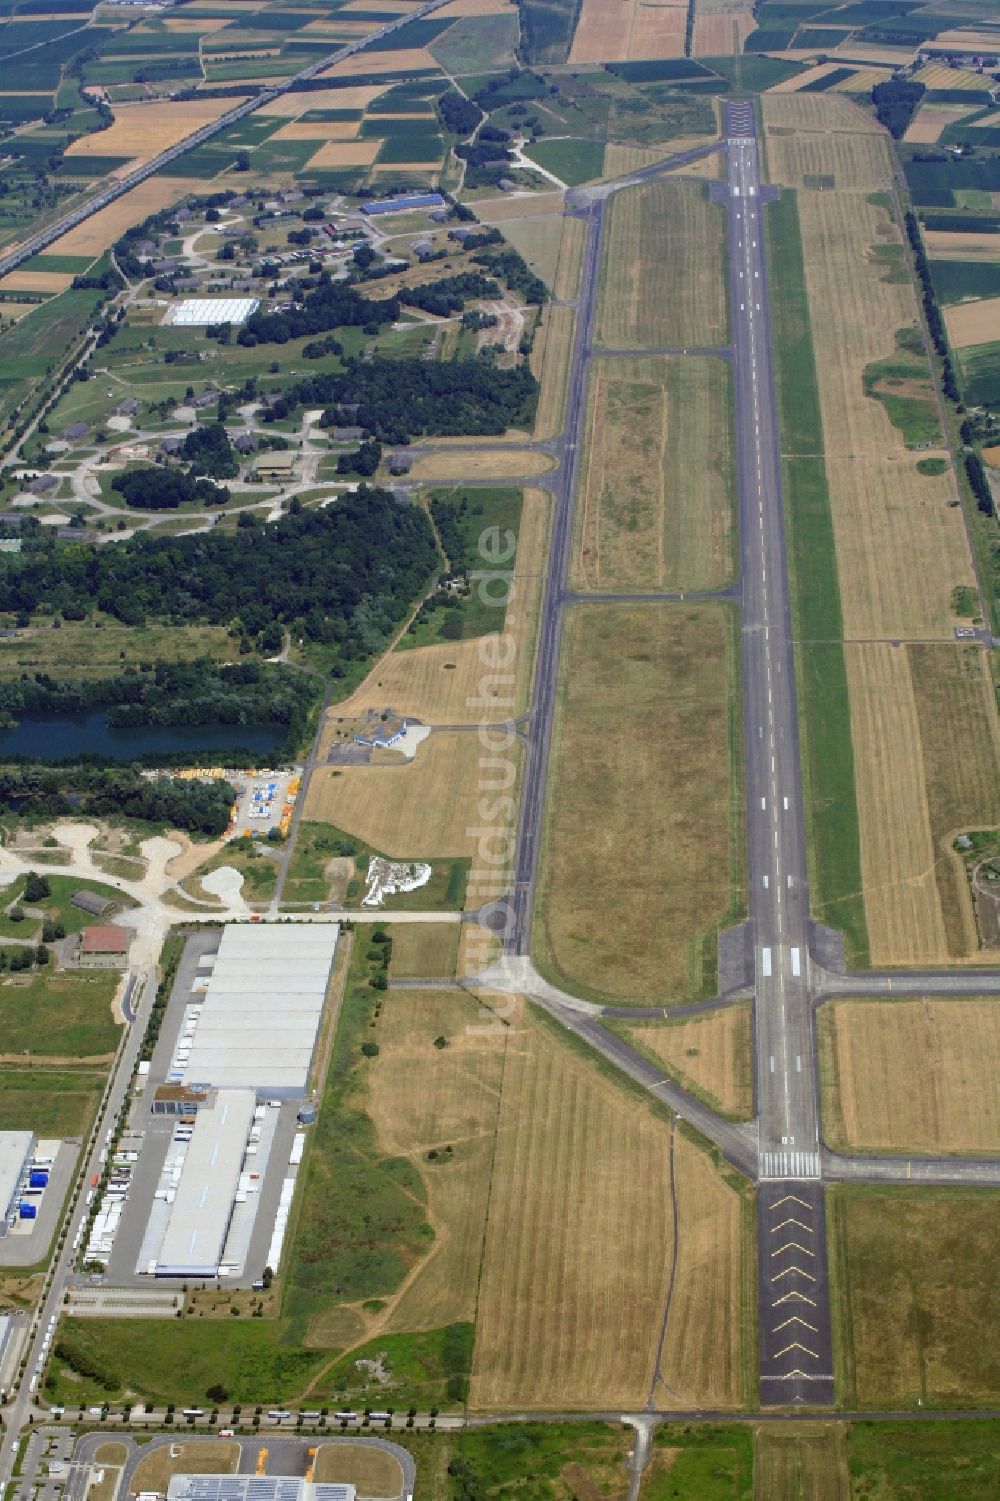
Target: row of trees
[(935, 323)]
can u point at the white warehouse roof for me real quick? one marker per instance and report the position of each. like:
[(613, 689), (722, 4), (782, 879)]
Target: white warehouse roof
[(197, 312), (196, 1231), (257, 1026), (255, 1488), (15, 1149)]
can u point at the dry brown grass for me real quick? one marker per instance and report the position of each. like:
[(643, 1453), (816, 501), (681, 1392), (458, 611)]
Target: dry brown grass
[(948, 244), (425, 1099), (658, 30), (143, 130), (851, 160), (34, 281), (710, 1054), (617, 29), (641, 827), (662, 276), (911, 1076), (656, 503), (425, 808), (424, 951), (550, 362), (974, 322), (568, 1316), (496, 210), (721, 34), (927, 752), (891, 524), (704, 1353), (374, 1472), (446, 468), (95, 234), (345, 154), (803, 1460), (204, 1456)]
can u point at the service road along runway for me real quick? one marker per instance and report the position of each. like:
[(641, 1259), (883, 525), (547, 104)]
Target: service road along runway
[(796, 1362)]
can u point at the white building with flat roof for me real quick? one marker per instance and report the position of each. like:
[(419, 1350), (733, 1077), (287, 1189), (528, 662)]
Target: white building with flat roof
[(16, 1148), (255, 1488), (205, 1195), (257, 1026)]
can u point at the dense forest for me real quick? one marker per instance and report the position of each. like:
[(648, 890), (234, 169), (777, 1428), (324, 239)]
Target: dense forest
[(119, 792), (333, 304), (345, 575), (165, 693), (151, 487), (401, 399)]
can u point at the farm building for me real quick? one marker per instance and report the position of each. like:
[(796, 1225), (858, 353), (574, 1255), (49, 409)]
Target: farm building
[(16, 1148), (104, 946)]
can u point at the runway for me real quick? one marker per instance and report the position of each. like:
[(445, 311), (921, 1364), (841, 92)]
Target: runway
[(792, 1255)]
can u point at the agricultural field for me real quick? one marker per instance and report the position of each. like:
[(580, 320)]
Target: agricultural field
[(628, 30), (912, 1273), (656, 507), (648, 717), (561, 1168), (668, 224), (710, 1054), (910, 1076), (66, 1017), (934, 706), (424, 951)]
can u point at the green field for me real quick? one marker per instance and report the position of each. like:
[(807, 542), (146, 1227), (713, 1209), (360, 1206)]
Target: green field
[(902, 383), (51, 1102), (924, 1461), (65, 1015), (40, 341), (825, 725), (574, 161), (460, 616), (474, 43), (980, 367)]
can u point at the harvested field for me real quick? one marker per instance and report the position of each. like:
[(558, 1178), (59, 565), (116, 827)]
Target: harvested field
[(938, 76), (926, 754), (917, 1289), (838, 159), (345, 154), (424, 808), (656, 510), (567, 1318), (663, 238), (95, 234), (891, 524), (317, 130), (710, 1054), (142, 131), (973, 322), (952, 245), (967, 39), (630, 905), (571, 246), (473, 8), (602, 31), (722, 32), (657, 30), (871, 52), (863, 81), (807, 1461), (355, 96), (34, 281), (445, 468), (911, 1076), (424, 951), (427, 1099), (404, 60), (930, 119), (801, 80), (821, 112)]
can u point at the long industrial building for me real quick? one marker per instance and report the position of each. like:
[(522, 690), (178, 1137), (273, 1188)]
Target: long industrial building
[(255, 1488), (257, 1026), (16, 1148), (202, 1209)]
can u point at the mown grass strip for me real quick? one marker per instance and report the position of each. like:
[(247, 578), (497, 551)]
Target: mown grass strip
[(825, 720)]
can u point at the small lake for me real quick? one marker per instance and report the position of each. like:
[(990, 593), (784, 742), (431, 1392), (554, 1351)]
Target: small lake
[(57, 737)]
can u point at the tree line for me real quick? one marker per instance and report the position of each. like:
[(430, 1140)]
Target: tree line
[(35, 792)]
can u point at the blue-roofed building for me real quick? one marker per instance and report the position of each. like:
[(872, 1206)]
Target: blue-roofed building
[(402, 202)]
